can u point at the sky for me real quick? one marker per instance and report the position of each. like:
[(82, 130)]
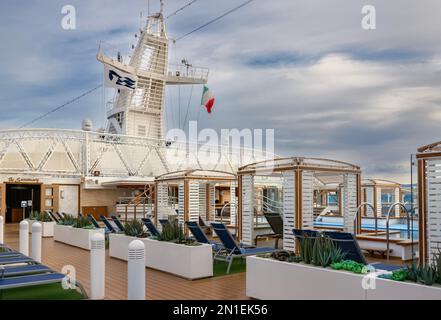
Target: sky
[(304, 68)]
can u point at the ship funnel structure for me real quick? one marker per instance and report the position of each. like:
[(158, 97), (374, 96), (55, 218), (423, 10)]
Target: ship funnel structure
[(139, 112)]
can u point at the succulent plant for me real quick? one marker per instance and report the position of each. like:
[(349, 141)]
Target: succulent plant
[(82, 223), (172, 232), (306, 245), (135, 228), (67, 220)]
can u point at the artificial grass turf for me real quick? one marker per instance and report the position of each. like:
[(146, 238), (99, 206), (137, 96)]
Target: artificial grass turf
[(52, 291), (220, 267)]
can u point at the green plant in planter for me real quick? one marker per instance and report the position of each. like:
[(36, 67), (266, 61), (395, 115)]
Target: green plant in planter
[(306, 249), (44, 217), (399, 275), (67, 220), (349, 265), (172, 232), (426, 275), (34, 215), (325, 252), (135, 228), (436, 264), (82, 223)]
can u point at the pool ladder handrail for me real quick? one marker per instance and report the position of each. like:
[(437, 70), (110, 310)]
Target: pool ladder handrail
[(358, 210), (402, 205)]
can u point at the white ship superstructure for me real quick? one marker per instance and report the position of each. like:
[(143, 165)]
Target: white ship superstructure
[(86, 171)]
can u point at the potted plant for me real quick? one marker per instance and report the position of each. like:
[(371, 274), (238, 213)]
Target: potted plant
[(75, 231), (320, 272), (47, 224), (171, 252)]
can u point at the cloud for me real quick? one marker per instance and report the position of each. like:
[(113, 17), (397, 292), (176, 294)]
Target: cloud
[(304, 68)]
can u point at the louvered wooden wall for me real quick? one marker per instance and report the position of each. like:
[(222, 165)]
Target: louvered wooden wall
[(433, 190), (350, 201), (247, 210), (289, 224)]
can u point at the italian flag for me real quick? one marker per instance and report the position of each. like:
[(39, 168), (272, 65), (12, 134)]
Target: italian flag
[(208, 99)]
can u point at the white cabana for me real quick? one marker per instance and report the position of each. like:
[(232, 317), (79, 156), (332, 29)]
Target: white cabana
[(381, 194), (299, 178), (429, 200), (194, 194)]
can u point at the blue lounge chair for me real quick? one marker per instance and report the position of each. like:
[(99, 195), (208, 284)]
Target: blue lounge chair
[(53, 217), (276, 223), (164, 222), (118, 223), (34, 280), (349, 246), (9, 254), (231, 248), (14, 271), (108, 225), (201, 237), (16, 260), (58, 215), (151, 227), (94, 222)]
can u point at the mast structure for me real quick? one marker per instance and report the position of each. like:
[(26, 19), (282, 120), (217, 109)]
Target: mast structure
[(140, 112)]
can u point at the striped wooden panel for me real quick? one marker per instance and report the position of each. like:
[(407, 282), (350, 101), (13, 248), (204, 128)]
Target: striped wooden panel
[(202, 200), (212, 201), (307, 200), (433, 206), (162, 204), (379, 207), (233, 201), (181, 196), (397, 199), (289, 222), (350, 201), (247, 209), (193, 208), (369, 199)]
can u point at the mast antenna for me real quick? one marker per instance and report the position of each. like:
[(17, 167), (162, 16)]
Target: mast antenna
[(162, 6)]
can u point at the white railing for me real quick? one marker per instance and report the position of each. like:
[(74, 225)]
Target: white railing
[(73, 153), (184, 71)]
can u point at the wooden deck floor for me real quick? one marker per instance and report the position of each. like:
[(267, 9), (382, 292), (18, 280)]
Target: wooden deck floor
[(159, 285)]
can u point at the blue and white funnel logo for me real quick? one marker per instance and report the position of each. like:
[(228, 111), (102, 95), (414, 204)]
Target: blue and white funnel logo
[(122, 81), (119, 79)]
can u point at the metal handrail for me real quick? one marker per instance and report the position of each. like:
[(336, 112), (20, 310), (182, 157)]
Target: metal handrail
[(358, 210), (402, 205), (222, 211)]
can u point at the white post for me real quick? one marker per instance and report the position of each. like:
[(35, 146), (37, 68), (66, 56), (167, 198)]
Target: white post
[(2, 239), (36, 241), (24, 238), (97, 267), (136, 270)]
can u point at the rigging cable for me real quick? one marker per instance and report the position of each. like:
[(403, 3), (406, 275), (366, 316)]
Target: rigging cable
[(188, 107), (61, 107), (215, 19), (181, 9)]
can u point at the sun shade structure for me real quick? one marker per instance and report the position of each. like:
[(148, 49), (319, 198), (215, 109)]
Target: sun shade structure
[(381, 194), (197, 194), (429, 200), (296, 180)]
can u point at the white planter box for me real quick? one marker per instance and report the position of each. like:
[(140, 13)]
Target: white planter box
[(269, 279), (47, 228), (119, 244), (190, 262), (75, 237)]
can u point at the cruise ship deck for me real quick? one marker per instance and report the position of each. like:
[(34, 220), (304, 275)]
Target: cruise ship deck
[(159, 285)]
